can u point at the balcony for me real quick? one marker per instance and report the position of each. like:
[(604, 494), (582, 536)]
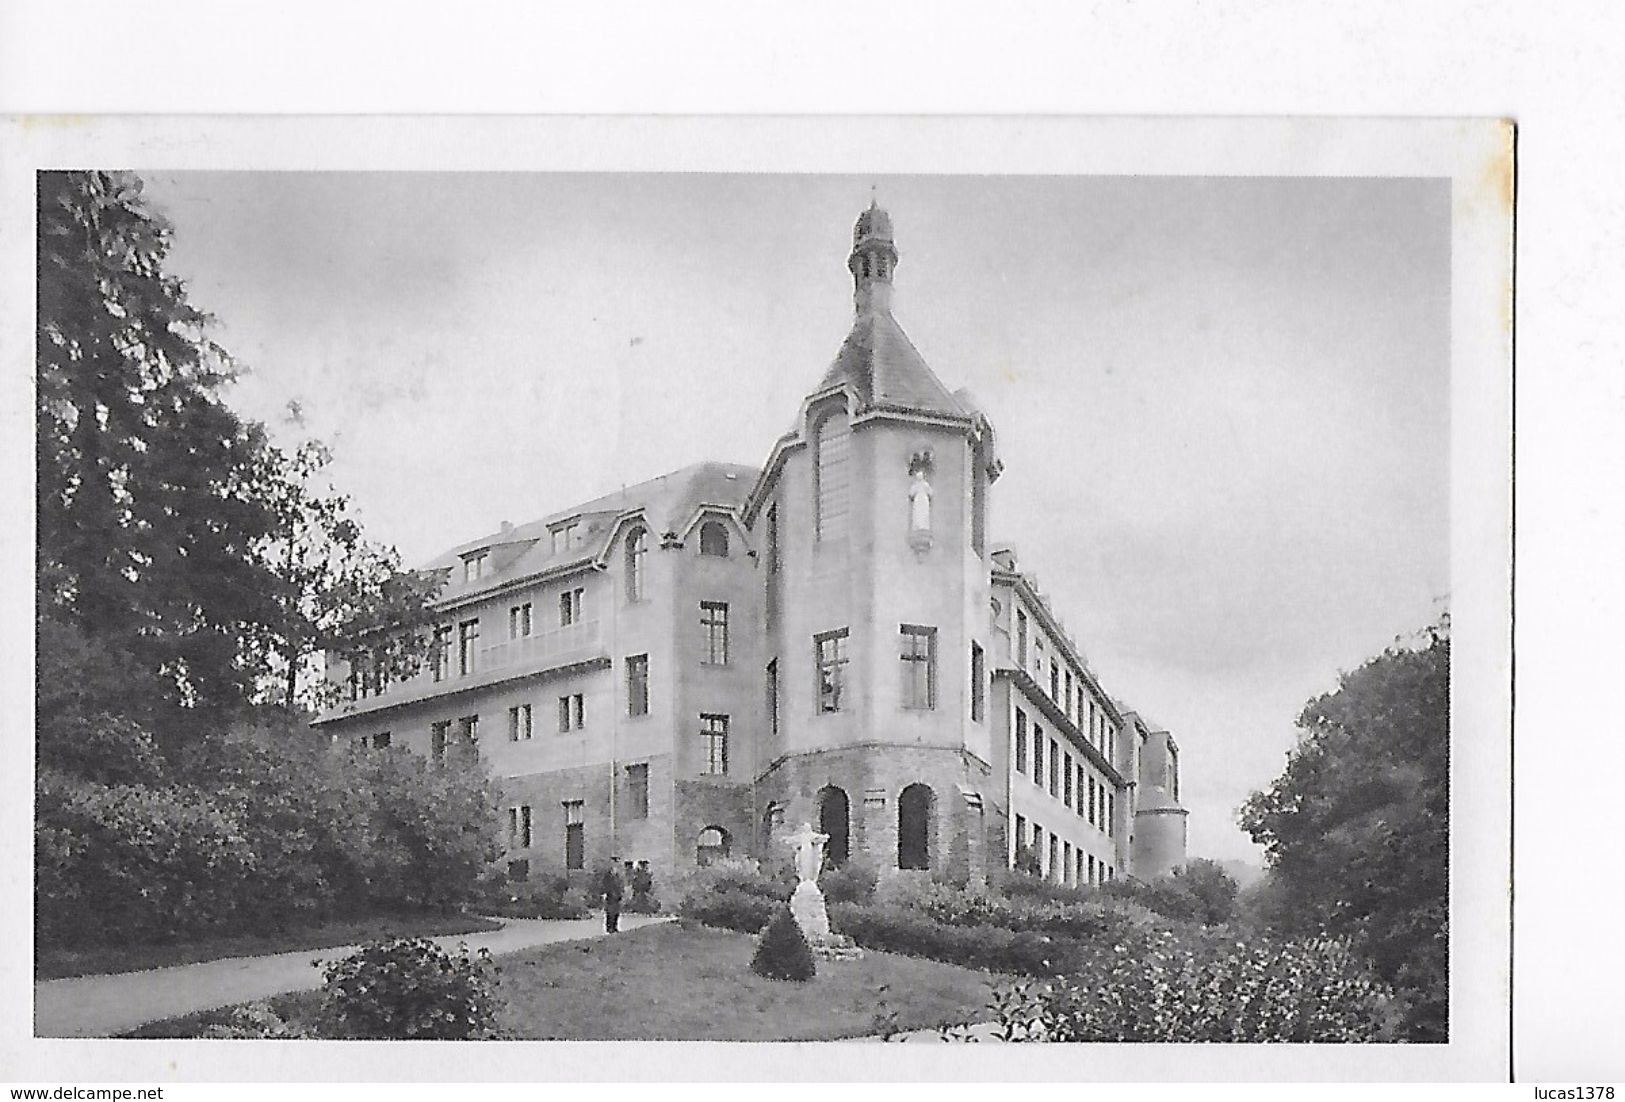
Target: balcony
[(547, 648)]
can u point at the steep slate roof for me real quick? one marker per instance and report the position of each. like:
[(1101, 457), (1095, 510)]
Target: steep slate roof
[(879, 361), (668, 502)]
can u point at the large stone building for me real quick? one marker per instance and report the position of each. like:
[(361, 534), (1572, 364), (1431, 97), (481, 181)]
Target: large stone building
[(695, 665)]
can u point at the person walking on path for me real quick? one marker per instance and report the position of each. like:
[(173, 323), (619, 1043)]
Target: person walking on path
[(612, 889)]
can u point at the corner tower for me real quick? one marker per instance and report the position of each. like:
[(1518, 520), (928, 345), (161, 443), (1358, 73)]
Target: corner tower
[(871, 513)]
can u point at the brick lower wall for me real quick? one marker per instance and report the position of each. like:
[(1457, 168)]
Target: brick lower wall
[(965, 840)]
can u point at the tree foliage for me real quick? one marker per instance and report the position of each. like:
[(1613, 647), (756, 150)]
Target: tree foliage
[(1357, 828), (333, 590), (145, 477)]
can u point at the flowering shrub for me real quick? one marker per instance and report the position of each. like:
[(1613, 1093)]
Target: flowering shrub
[(409, 989), (258, 1022), (1193, 989)]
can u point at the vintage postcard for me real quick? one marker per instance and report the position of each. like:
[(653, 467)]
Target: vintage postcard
[(747, 597)]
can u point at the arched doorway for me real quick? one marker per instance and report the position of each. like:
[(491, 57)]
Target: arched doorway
[(835, 820), (914, 827), (712, 847)]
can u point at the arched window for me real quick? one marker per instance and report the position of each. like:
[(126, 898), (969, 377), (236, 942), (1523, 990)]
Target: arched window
[(832, 476), (914, 827), (637, 547), (714, 539), (712, 847), (834, 819)]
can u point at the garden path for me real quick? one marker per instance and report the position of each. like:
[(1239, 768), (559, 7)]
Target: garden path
[(104, 1006)]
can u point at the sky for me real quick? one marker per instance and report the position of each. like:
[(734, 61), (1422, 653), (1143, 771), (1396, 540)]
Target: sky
[(1222, 403)]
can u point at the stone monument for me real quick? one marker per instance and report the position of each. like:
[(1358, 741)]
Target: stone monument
[(807, 903)]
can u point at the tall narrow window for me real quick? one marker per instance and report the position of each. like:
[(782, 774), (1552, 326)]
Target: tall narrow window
[(1021, 741), (637, 550), (1092, 817), (771, 679), (1066, 705), (1021, 639), (714, 539), (570, 607), (575, 838), (978, 506), (519, 727), (468, 733), (1054, 680), (978, 690), (519, 827), (1081, 776), (519, 621), (572, 712), (637, 685), (1038, 755), (714, 739), (714, 626), (440, 654), (832, 461), (919, 664), (637, 791), (564, 535), (468, 637), (1066, 783), (438, 736), (830, 649), (1173, 774), (915, 806), (772, 609), (1054, 768)]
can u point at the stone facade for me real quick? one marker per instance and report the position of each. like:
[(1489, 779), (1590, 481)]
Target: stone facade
[(698, 664)]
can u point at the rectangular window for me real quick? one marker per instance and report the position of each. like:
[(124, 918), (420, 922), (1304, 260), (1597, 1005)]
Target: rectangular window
[(570, 607), (919, 657), (519, 727), (1038, 755), (637, 791), (564, 536), (714, 736), (1077, 873), (1054, 680), (772, 609), (572, 712), (474, 564), (1091, 869), (1066, 705), (1021, 741), (575, 839), (1066, 782), (978, 692), (519, 621), (637, 685), (1066, 862), (1081, 778), (1021, 639), (1054, 870), (381, 741), (468, 732), (771, 679), (830, 649), (714, 627), (519, 823), (1091, 799), (440, 654), (1111, 814), (468, 636), (438, 736), (1054, 768)]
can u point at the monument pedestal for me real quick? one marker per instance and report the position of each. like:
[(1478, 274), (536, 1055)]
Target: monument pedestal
[(807, 907)]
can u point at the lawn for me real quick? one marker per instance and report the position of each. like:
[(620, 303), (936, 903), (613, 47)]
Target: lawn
[(684, 982), (52, 962)]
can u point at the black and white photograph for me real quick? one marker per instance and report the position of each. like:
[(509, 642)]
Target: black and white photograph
[(911, 586)]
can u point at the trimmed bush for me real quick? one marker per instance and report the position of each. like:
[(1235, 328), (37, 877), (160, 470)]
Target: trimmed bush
[(552, 897), (783, 952), (409, 989), (731, 910), (853, 883), (896, 929)]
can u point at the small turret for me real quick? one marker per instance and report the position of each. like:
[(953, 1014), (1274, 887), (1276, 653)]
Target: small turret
[(873, 259)]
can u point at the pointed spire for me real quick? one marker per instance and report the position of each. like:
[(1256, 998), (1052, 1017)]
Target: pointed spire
[(872, 261)]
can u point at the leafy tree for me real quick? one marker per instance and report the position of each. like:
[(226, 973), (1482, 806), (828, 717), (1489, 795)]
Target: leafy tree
[(1357, 827), (145, 478), (333, 590), (1213, 889)]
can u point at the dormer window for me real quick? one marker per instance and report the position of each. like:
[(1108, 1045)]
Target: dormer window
[(476, 564), (565, 535), (714, 539)]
